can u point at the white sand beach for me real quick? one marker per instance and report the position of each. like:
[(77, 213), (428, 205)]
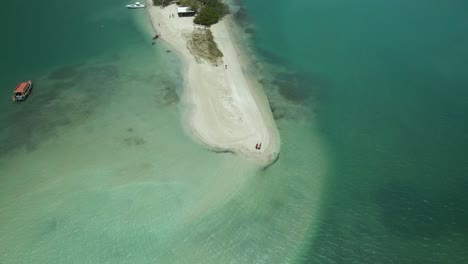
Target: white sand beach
[(226, 112)]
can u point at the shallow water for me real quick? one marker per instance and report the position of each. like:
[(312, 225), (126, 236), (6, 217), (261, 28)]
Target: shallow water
[(95, 166), (120, 181)]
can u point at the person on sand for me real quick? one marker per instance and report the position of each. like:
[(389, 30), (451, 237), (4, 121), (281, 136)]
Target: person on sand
[(225, 66)]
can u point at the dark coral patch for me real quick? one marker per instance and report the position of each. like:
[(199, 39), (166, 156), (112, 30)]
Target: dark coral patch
[(65, 72), (134, 141)]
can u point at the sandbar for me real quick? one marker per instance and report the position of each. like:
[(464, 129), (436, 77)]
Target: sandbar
[(227, 110)]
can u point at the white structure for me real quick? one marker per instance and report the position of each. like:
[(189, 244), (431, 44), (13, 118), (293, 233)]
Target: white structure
[(183, 11)]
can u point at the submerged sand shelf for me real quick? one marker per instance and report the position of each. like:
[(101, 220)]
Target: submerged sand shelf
[(225, 112)]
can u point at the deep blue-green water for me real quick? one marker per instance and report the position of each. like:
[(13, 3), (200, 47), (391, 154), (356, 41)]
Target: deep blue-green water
[(388, 82), (38, 36), (369, 98)]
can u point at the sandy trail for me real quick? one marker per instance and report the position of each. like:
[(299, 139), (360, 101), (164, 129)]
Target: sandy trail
[(225, 112)]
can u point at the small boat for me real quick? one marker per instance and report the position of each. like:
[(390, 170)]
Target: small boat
[(21, 91), (135, 5)]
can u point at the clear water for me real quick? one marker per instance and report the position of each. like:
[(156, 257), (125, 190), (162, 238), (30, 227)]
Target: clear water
[(387, 83), (95, 167)]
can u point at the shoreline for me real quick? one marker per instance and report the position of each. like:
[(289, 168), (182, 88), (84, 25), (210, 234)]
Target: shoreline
[(227, 110)]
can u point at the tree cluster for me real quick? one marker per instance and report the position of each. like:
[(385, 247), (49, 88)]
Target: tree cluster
[(210, 12), (162, 3)]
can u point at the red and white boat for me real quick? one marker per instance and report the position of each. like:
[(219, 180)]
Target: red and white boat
[(21, 91)]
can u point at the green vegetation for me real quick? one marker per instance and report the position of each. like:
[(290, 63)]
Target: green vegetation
[(162, 3), (202, 46), (193, 4), (209, 12)]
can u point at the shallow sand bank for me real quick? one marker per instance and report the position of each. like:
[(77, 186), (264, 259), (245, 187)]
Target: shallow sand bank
[(224, 111)]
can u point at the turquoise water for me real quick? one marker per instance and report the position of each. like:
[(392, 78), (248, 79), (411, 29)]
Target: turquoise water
[(95, 167), (387, 83), (41, 36)]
